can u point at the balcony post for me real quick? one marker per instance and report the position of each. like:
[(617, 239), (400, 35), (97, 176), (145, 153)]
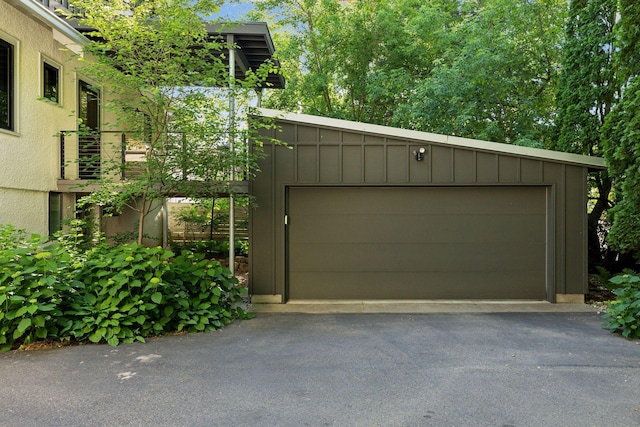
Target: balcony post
[(123, 154), (61, 139), (232, 124)]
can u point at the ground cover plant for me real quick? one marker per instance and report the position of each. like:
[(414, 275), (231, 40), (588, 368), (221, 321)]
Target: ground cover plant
[(107, 294), (623, 313)]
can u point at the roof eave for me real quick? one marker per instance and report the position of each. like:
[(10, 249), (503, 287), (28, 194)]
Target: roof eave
[(50, 19), (593, 163)]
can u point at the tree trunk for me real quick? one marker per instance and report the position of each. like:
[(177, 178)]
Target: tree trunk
[(595, 251)]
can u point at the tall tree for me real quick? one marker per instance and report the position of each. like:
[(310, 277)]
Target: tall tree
[(162, 73), (476, 69), (586, 94), (621, 133)]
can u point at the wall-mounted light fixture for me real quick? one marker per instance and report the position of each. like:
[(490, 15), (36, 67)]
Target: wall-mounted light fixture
[(419, 153)]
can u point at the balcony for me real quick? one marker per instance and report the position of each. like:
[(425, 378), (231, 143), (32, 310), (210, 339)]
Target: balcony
[(89, 158), (54, 5)]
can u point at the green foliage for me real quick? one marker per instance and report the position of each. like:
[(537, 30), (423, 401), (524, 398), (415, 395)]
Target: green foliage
[(623, 314), (161, 72), (113, 295), (12, 238), (476, 69), (621, 133), (585, 92), (212, 248), (33, 286), (131, 292)]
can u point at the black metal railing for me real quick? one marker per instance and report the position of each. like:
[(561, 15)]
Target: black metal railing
[(89, 155), (87, 149), (53, 5)]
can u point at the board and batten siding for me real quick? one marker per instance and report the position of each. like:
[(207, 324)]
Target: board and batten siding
[(317, 155)]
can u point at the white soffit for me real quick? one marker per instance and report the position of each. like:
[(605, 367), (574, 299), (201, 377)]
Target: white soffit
[(433, 138), (44, 15)]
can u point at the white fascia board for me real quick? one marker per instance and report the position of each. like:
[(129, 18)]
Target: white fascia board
[(44, 15), (426, 137)]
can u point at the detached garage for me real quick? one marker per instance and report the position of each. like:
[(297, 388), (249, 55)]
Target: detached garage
[(351, 211)]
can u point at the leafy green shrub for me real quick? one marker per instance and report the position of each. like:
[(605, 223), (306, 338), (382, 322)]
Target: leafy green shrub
[(33, 286), (111, 294), (213, 248), (206, 293), (623, 314), (131, 292), (12, 238)]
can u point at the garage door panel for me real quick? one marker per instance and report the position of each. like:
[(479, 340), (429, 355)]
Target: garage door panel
[(417, 243), (372, 228), (450, 201), (437, 285), (415, 257)]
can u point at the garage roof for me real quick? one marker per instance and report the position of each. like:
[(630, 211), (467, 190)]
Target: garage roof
[(591, 162)]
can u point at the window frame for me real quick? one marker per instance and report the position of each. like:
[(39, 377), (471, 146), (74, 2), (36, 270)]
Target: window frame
[(12, 78), (47, 62), (55, 212)]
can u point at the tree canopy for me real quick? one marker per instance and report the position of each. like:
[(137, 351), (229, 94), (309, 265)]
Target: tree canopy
[(621, 132), (168, 88), (477, 69)]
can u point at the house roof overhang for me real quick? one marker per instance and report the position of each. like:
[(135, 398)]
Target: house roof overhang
[(253, 40), (590, 162), (254, 47), (47, 16), (253, 44)]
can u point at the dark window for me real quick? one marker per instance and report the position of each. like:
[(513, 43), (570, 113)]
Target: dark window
[(55, 212), (6, 85), (89, 132), (51, 83)]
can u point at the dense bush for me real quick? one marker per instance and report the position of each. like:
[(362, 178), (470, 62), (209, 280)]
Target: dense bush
[(212, 248), (32, 288), (111, 294), (623, 314)]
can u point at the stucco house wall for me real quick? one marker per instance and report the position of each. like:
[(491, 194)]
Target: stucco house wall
[(30, 156)]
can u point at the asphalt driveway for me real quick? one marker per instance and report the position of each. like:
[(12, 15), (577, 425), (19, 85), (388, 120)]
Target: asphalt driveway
[(501, 369)]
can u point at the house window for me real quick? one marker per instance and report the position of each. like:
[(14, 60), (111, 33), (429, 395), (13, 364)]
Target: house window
[(89, 146), (51, 82), (55, 213), (6, 85)]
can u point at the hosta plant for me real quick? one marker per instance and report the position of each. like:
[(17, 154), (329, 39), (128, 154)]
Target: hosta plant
[(623, 314)]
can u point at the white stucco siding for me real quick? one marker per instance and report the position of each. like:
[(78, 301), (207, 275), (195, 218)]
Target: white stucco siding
[(30, 154), (25, 209)]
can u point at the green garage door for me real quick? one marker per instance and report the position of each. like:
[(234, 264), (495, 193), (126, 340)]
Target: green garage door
[(416, 243)]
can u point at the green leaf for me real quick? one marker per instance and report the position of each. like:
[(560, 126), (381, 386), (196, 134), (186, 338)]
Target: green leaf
[(90, 299), (156, 297), (39, 321), (23, 325), (95, 337), (21, 311), (113, 341)]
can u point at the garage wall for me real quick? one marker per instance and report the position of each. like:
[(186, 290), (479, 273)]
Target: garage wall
[(327, 156)]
